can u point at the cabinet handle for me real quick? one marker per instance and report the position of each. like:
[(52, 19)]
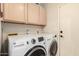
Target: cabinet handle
[(61, 31), (61, 36)]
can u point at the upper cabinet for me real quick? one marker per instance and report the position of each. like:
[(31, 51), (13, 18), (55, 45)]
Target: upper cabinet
[(36, 14), (33, 14), (29, 13), (14, 12), (42, 16), (26, 12), (0, 11)]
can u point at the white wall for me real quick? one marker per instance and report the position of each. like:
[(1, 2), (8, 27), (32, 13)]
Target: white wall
[(18, 28), (52, 18)]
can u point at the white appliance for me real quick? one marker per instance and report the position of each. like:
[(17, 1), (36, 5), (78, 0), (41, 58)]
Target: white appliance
[(51, 45), (27, 45)]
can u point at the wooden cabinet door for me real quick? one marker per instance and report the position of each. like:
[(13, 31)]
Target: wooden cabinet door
[(33, 14), (14, 12), (42, 20), (0, 10), (26, 12)]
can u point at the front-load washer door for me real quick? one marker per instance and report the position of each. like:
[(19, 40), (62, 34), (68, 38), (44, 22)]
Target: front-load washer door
[(53, 48), (36, 51)]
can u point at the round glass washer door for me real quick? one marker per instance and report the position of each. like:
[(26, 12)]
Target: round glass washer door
[(36, 51), (53, 48)]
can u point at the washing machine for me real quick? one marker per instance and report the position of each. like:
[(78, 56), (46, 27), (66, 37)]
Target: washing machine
[(27, 45), (51, 45)]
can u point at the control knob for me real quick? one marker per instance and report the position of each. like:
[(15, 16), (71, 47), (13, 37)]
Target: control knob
[(33, 41)]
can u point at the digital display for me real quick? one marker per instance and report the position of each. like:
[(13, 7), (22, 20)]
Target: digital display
[(40, 39)]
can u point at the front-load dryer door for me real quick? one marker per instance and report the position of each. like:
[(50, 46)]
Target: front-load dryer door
[(53, 48), (36, 51)]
